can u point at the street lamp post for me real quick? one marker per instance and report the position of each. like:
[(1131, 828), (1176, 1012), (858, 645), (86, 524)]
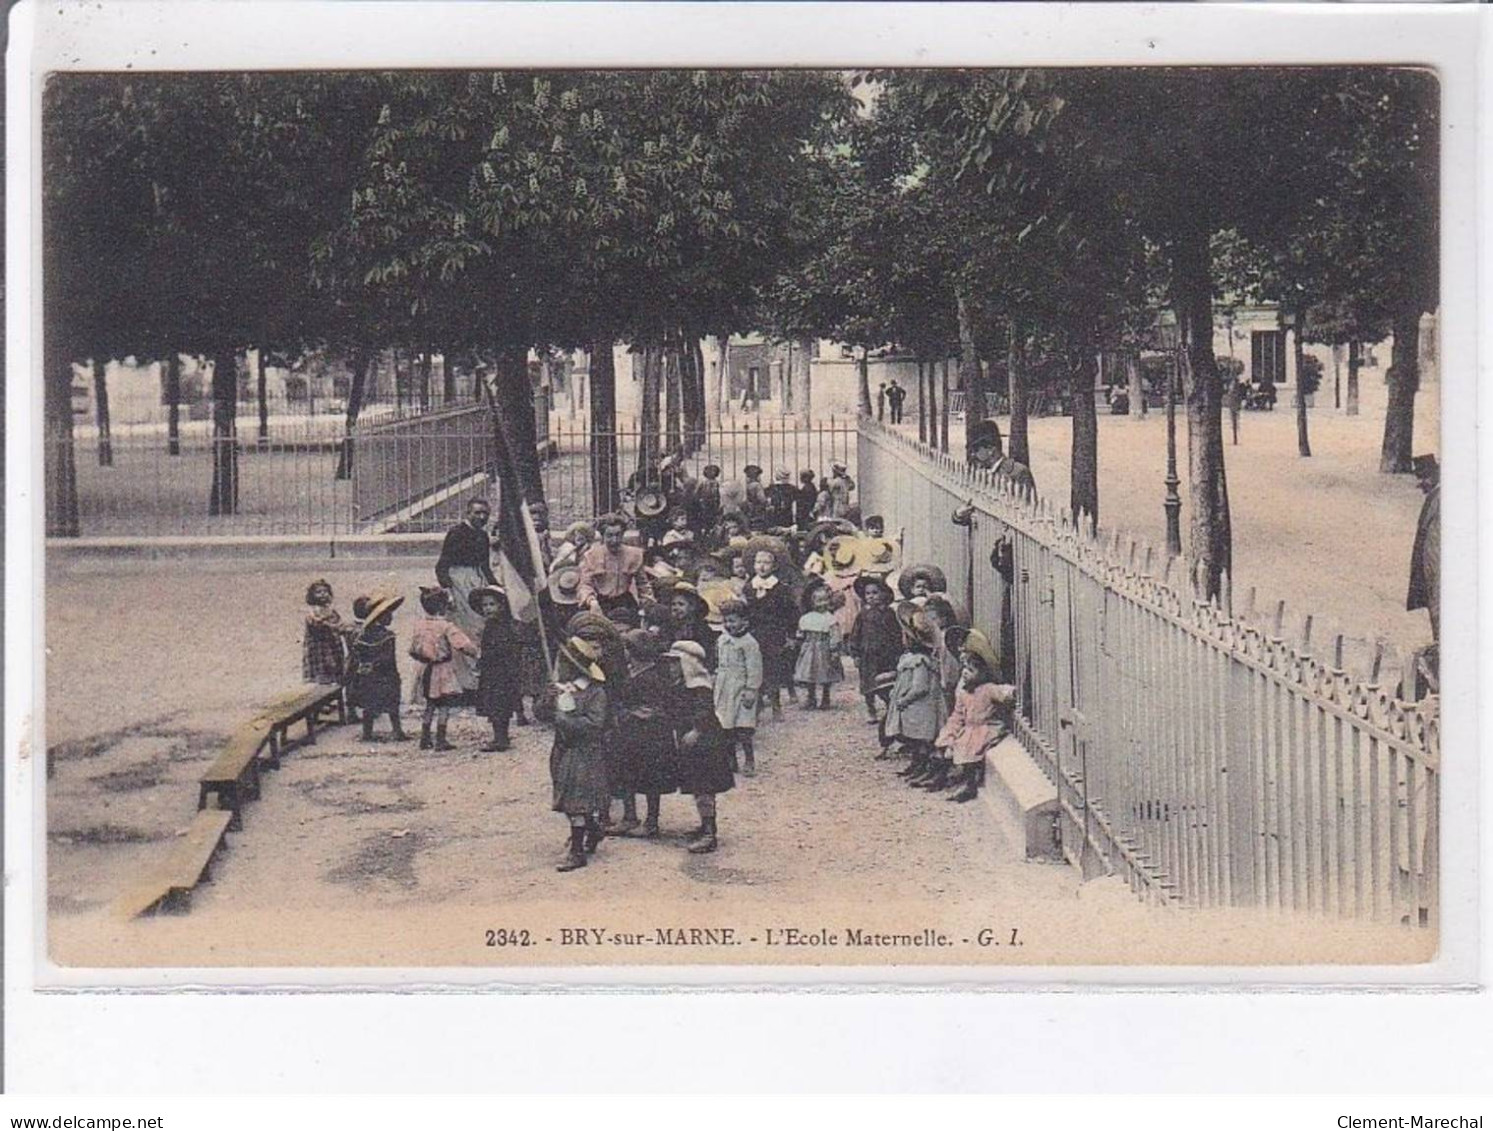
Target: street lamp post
[(1173, 503)]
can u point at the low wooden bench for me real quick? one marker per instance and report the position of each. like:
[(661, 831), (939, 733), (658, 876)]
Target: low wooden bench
[(233, 777), (189, 864), (304, 706)]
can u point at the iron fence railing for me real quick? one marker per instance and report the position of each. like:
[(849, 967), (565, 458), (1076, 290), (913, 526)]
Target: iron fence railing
[(1194, 751)]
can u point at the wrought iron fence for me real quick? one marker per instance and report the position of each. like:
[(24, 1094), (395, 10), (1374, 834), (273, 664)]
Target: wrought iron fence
[(394, 472), (1196, 752)]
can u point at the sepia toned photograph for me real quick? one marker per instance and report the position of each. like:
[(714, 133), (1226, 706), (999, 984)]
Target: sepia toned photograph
[(575, 520)]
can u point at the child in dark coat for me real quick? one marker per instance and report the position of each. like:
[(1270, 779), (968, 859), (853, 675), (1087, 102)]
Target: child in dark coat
[(373, 668), (704, 749), (875, 640), (498, 686)]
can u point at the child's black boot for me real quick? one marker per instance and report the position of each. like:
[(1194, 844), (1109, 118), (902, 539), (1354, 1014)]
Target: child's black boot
[(706, 842), (425, 742), (440, 737), (576, 857)]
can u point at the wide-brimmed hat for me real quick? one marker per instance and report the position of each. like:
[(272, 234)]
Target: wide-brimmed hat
[(673, 589), (782, 475), (873, 581), (476, 595), (976, 643), (879, 555), (565, 585), (716, 594), (923, 630), (381, 603), (582, 532), (650, 502), (585, 656), (842, 553), (837, 465), (937, 582), (770, 544)]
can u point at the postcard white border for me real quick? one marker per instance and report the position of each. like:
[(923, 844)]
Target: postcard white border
[(282, 35)]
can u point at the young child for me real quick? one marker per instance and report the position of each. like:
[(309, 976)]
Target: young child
[(435, 642), (578, 769), (704, 759), (741, 574), (373, 668), (819, 641), (323, 650), (916, 712), (641, 754), (875, 639), (949, 663), (980, 717), (738, 682), (679, 531), (773, 615), (497, 680), (687, 619)]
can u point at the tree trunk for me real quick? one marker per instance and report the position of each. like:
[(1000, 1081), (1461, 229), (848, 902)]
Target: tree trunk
[(101, 409), (513, 409), (673, 395), (971, 376), (1210, 538), (606, 482), (355, 395), (863, 368), (1083, 498), (922, 404), (699, 422), (448, 380), (1355, 363), (1303, 443), (262, 392), (648, 432), (172, 377), (223, 496), (61, 456), (932, 404), (1017, 447), (1337, 375), (722, 376), (943, 416), (1404, 380), (425, 378)]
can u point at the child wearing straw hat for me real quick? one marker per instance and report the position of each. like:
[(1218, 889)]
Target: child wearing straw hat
[(373, 667), (916, 712), (578, 769), (436, 642), (704, 758), (981, 715)]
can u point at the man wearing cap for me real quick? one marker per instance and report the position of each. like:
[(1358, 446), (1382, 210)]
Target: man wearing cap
[(612, 574), (987, 451)]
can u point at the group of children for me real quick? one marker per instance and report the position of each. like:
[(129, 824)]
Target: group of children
[(666, 698)]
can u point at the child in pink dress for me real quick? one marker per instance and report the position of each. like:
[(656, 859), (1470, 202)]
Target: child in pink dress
[(435, 642), (981, 715)]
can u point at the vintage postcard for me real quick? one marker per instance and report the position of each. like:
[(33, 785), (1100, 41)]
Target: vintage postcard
[(540, 519)]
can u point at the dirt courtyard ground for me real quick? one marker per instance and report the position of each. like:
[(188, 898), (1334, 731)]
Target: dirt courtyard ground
[(382, 854)]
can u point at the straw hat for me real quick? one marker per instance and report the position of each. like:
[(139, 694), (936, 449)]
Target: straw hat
[(842, 553), (976, 643), (581, 533), (475, 596), (684, 588), (782, 475), (650, 503), (565, 585), (878, 555), (716, 594), (584, 655), (381, 603), (837, 465)]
